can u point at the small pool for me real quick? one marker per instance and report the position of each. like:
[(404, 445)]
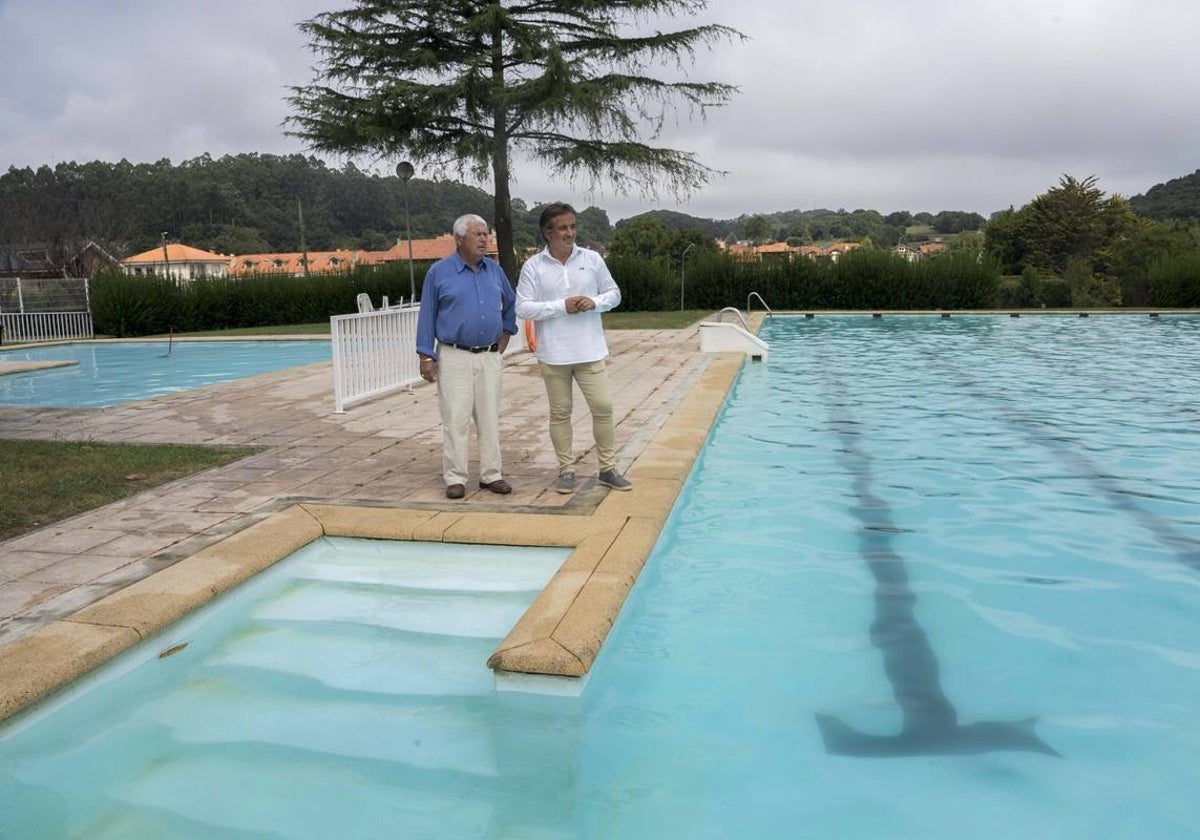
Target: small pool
[(344, 692), (111, 373)]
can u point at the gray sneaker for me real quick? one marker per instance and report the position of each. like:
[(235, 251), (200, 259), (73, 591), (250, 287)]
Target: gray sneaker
[(565, 482), (613, 479)]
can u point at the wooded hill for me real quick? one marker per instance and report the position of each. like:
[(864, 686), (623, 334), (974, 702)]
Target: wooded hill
[(254, 203), (238, 204), (1178, 198)]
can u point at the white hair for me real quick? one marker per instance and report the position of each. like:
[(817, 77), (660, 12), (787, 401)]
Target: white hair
[(462, 223)]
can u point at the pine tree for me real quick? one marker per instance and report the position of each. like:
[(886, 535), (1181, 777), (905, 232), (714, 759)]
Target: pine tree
[(463, 83)]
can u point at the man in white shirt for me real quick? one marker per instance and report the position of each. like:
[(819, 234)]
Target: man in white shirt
[(564, 288)]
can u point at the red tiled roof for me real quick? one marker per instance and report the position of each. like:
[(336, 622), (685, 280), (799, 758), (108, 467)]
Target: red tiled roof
[(429, 249), (175, 253), (293, 262)]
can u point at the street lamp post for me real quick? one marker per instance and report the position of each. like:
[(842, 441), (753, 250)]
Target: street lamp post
[(682, 267), (404, 171), (166, 258)]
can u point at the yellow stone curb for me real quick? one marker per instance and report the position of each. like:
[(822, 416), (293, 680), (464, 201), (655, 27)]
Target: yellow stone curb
[(35, 666)]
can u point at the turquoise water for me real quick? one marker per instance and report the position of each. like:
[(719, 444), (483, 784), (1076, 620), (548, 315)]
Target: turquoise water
[(1037, 483), (108, 374), (342, 693), (932, 578)]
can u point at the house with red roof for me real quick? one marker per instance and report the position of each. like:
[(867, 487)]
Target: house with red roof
[(326, 262), (181, 262)]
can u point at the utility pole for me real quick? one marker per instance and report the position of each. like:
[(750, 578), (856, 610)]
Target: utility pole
[(303, 247), (166, 257), (682, 275), (404, 171)]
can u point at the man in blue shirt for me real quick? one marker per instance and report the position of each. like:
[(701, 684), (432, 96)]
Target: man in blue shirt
[(468, 312)]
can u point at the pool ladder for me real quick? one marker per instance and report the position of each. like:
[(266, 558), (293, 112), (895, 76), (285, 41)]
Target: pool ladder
[(719, 337), (749, 299)]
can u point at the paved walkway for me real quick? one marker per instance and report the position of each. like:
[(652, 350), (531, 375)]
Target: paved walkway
[(383, 453)]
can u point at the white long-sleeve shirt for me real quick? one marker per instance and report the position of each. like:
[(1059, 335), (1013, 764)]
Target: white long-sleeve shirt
[(542, 292)]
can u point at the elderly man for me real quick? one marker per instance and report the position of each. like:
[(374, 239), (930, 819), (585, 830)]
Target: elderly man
[(467, 315), (564, 288)]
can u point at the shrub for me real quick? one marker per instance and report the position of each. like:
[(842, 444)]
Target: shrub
[(1175, 280)]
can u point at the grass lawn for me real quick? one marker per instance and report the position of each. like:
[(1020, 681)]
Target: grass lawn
[(615, 320), (45, 481)]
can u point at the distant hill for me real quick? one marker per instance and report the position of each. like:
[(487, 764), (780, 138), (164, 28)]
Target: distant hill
[(673, 220), (1176, 199), (808, 226)]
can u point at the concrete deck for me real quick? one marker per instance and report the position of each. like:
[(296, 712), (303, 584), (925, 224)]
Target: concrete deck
[(76, 592)]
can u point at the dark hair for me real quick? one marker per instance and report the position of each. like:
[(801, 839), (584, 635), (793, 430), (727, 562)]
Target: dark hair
[(552, 211)]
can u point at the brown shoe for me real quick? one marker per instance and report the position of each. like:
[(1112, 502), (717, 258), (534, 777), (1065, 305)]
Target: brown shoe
[(498, 486), (455, 491)]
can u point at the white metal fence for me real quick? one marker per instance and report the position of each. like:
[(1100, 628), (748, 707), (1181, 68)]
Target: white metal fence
[(44, 326), (44, 309), (374, 353)]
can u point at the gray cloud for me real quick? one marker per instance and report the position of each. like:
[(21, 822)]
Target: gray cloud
[(857, 103)]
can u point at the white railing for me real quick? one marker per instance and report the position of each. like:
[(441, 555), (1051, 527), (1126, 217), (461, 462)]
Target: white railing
[(374, 353), (45, 326)]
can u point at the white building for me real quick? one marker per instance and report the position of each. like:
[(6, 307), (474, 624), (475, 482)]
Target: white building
[(181, 262)]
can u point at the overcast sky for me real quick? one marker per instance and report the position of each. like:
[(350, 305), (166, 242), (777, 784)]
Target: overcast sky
[(877, 104)]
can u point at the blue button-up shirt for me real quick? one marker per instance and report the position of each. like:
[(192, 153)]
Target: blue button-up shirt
[(467, 306)]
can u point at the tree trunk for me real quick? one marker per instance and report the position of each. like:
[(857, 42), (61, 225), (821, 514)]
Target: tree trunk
[(503, 212), (503, 197)]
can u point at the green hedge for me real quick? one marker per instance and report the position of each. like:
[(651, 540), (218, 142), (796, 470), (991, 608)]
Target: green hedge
[(1175, 281), (866, 278), (126, 305)]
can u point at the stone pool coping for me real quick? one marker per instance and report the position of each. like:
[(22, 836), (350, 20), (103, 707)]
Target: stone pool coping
[(24, 367), (559, 635)]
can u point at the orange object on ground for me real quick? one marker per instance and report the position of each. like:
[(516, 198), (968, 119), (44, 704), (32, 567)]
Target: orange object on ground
[(530, 336)]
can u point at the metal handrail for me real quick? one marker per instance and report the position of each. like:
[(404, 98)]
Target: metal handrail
[(751, 297), (735, 311)]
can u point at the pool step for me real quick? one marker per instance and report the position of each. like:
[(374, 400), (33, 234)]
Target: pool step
[(374, 660), (423, 733), (447, 613), (281, 797), (436, 566)]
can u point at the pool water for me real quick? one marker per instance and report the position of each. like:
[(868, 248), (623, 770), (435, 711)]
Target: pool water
[(342, 693), (932, 578), (108, 374)]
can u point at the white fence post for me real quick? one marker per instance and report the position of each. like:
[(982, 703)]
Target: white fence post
[(374, 353)]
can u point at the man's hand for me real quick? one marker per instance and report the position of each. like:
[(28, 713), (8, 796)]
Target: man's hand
[(429, 370), (503, 342), (579, 303)]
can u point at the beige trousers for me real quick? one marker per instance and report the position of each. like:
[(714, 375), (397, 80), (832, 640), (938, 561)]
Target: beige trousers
[(592, 379), (468, 387)]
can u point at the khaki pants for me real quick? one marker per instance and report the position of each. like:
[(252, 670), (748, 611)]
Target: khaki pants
[(468, 387), (592, 379)]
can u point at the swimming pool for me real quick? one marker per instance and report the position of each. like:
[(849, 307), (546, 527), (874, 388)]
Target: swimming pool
[(111, 373), (929, 578)]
